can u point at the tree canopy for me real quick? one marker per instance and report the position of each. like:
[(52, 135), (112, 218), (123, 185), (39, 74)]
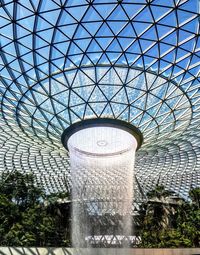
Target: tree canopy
[(29, 217), (165, 220)]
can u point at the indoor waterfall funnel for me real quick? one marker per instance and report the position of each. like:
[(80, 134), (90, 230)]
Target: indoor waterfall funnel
[(102, 154)]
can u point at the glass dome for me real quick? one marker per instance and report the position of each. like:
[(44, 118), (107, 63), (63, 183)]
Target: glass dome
[(67, 61)]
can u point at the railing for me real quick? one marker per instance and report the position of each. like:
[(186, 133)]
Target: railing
[(96, 251)]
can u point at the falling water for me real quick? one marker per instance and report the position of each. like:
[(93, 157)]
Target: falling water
[(102, 164)]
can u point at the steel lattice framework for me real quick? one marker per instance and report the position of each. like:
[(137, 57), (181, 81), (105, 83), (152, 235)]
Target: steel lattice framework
[(63, 61)]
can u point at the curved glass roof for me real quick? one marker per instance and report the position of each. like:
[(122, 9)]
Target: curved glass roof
[(64, 61)]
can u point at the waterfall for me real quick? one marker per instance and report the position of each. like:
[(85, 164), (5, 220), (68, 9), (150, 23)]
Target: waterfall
[(102, 170)]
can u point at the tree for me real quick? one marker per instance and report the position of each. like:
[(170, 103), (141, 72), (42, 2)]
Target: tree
[(29, 217), (168, 221), (20, 189), (194, 194), (160, 207), (188, 218)]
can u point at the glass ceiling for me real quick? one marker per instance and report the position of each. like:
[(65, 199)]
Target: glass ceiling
[(64, 61)]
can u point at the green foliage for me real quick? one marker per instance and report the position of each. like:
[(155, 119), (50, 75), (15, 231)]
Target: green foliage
[(195, 196), (28, 217), (165, 222)]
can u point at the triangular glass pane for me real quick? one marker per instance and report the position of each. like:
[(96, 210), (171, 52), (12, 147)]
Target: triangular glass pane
[(43, 24), (83, 43), (145, 44), (91, 15), (64, 117), (135, 8), (107, 112), (159, 11), (114, 46), (192, 26), (75, 99), (98, 107), (133, 94), (149, 61), (79, 110), (140, 102), (89, 112), (153, 52), (144, 16), (125, 42), (135, 120), (84, 92), (113, 57), (189, 45), (94, 46), (86, 61), (134, 48), (101, 71), (41, 43), (104, 30), (172, 38), (154, 110), (57, 87), (74, 49), (3, 15), (92, 29), (131, 58), (116, 27), (104, 9), (151, 34), (151, 100), (109, 90), (78, 11), (120, 97), (47, 35), (104, 59), (51, 16), (140, 27), (122, 73), (65, 18), (81, 32), (104, 42), (183, 15), (118, 108), (183, 35), (76, 59), (118, 14), (132, 74), (128, 31), (90, 73), (48, 5), (69, 30), (124, 115), (97, 95), (82, 80), (139, 63), (62, 98), (122, 60), (74, 117)]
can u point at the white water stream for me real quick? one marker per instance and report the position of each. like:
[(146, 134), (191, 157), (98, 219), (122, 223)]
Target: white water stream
[(102, 170)]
